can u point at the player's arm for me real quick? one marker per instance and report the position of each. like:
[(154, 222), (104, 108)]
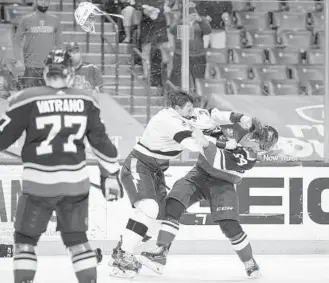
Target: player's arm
[(223, 117), (194, 141), (13, 123), (106, 154)]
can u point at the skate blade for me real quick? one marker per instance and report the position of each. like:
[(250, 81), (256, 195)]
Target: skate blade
[(255, 275), (154, 266), (119, 273)]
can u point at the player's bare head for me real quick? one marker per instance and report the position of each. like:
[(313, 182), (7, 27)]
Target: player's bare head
[(182, 101), (59, 70), (261, 140)]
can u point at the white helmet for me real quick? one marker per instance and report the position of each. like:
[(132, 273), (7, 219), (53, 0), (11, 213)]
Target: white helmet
[(201, 120)]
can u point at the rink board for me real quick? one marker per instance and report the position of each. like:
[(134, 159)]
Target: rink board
[(283, 210)]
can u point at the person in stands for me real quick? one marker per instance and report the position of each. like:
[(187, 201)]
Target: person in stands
[(37, 34)]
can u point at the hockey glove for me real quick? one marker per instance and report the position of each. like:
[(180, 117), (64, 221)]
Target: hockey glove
[(111, 187), (99, 255)]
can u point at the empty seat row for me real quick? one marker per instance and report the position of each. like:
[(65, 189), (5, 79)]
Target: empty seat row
[(299, 40), (264, 72), (257, 87), (281, 20), (276, 56), (278, 5)]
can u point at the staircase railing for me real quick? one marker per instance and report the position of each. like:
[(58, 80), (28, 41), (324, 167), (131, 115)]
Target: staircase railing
[(146, 85), (104, 38)]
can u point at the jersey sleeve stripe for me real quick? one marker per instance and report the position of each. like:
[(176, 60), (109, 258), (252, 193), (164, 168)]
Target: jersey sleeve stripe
[(180, 136), (103, 157)]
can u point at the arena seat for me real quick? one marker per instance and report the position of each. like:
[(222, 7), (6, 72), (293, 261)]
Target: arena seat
[(298, 40), (284, 87), (246, 87), (309, 72), (271, 72), (320, 40), (290, 20), (230, 71), (301, 5), (283, 56), (8, 2), (261, 38), (248, 56), (234, 38), (315, 87), (251, 20), (266, 6), (315, 56), (240, 5), (318, 21), (13, 14), (217, 56), (203, 86)]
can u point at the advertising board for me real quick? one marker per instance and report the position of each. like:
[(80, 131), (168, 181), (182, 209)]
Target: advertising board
[(276, 203)]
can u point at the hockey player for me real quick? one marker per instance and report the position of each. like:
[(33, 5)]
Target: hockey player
[(214, 179), (142, 175), (56, 119)]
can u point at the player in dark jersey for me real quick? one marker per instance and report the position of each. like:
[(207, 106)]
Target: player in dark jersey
[(213, 179), (56, 119)]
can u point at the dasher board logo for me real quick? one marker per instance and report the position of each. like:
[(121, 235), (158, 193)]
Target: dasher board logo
[(313, 113)]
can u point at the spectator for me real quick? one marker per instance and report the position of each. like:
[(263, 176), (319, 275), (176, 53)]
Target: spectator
[(7, 80), (219, 12), (41, 33), (87, 76), (199, 27), (131, 19), (154, 32)]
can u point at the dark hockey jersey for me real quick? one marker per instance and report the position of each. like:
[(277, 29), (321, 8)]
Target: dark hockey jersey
[(56, 123), (228, 165)]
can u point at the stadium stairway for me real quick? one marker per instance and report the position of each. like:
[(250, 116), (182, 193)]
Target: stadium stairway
[(91, 54)]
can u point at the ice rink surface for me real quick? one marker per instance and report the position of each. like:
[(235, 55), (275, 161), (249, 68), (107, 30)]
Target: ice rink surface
[(191, 269)]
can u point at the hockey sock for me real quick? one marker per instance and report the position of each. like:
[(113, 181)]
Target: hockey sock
[(242, 247), (25, 266), (167, 233), (134, 233), (84, 264)]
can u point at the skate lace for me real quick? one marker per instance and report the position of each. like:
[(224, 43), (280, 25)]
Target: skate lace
[(249, 264)]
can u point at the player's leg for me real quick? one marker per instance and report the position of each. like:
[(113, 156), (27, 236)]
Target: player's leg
[(139, 184), (224, 208), (72, 218), (32, 217), (183, 194)]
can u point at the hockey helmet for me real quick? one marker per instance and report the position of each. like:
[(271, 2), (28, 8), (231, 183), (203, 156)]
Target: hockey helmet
[(58, 63)]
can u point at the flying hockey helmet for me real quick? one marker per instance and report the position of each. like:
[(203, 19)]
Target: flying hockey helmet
[(58, 63)]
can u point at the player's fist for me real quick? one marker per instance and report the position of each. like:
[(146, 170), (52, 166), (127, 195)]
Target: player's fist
[(231, 144), (198, 135), (246, 122), (111, 187)]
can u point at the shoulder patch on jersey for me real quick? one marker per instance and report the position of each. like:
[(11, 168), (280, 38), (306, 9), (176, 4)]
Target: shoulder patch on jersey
[(27, 94)]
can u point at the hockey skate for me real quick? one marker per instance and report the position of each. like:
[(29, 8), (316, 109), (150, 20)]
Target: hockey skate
[(125, 265), (115, 252), (252, 269), (155, 260)]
